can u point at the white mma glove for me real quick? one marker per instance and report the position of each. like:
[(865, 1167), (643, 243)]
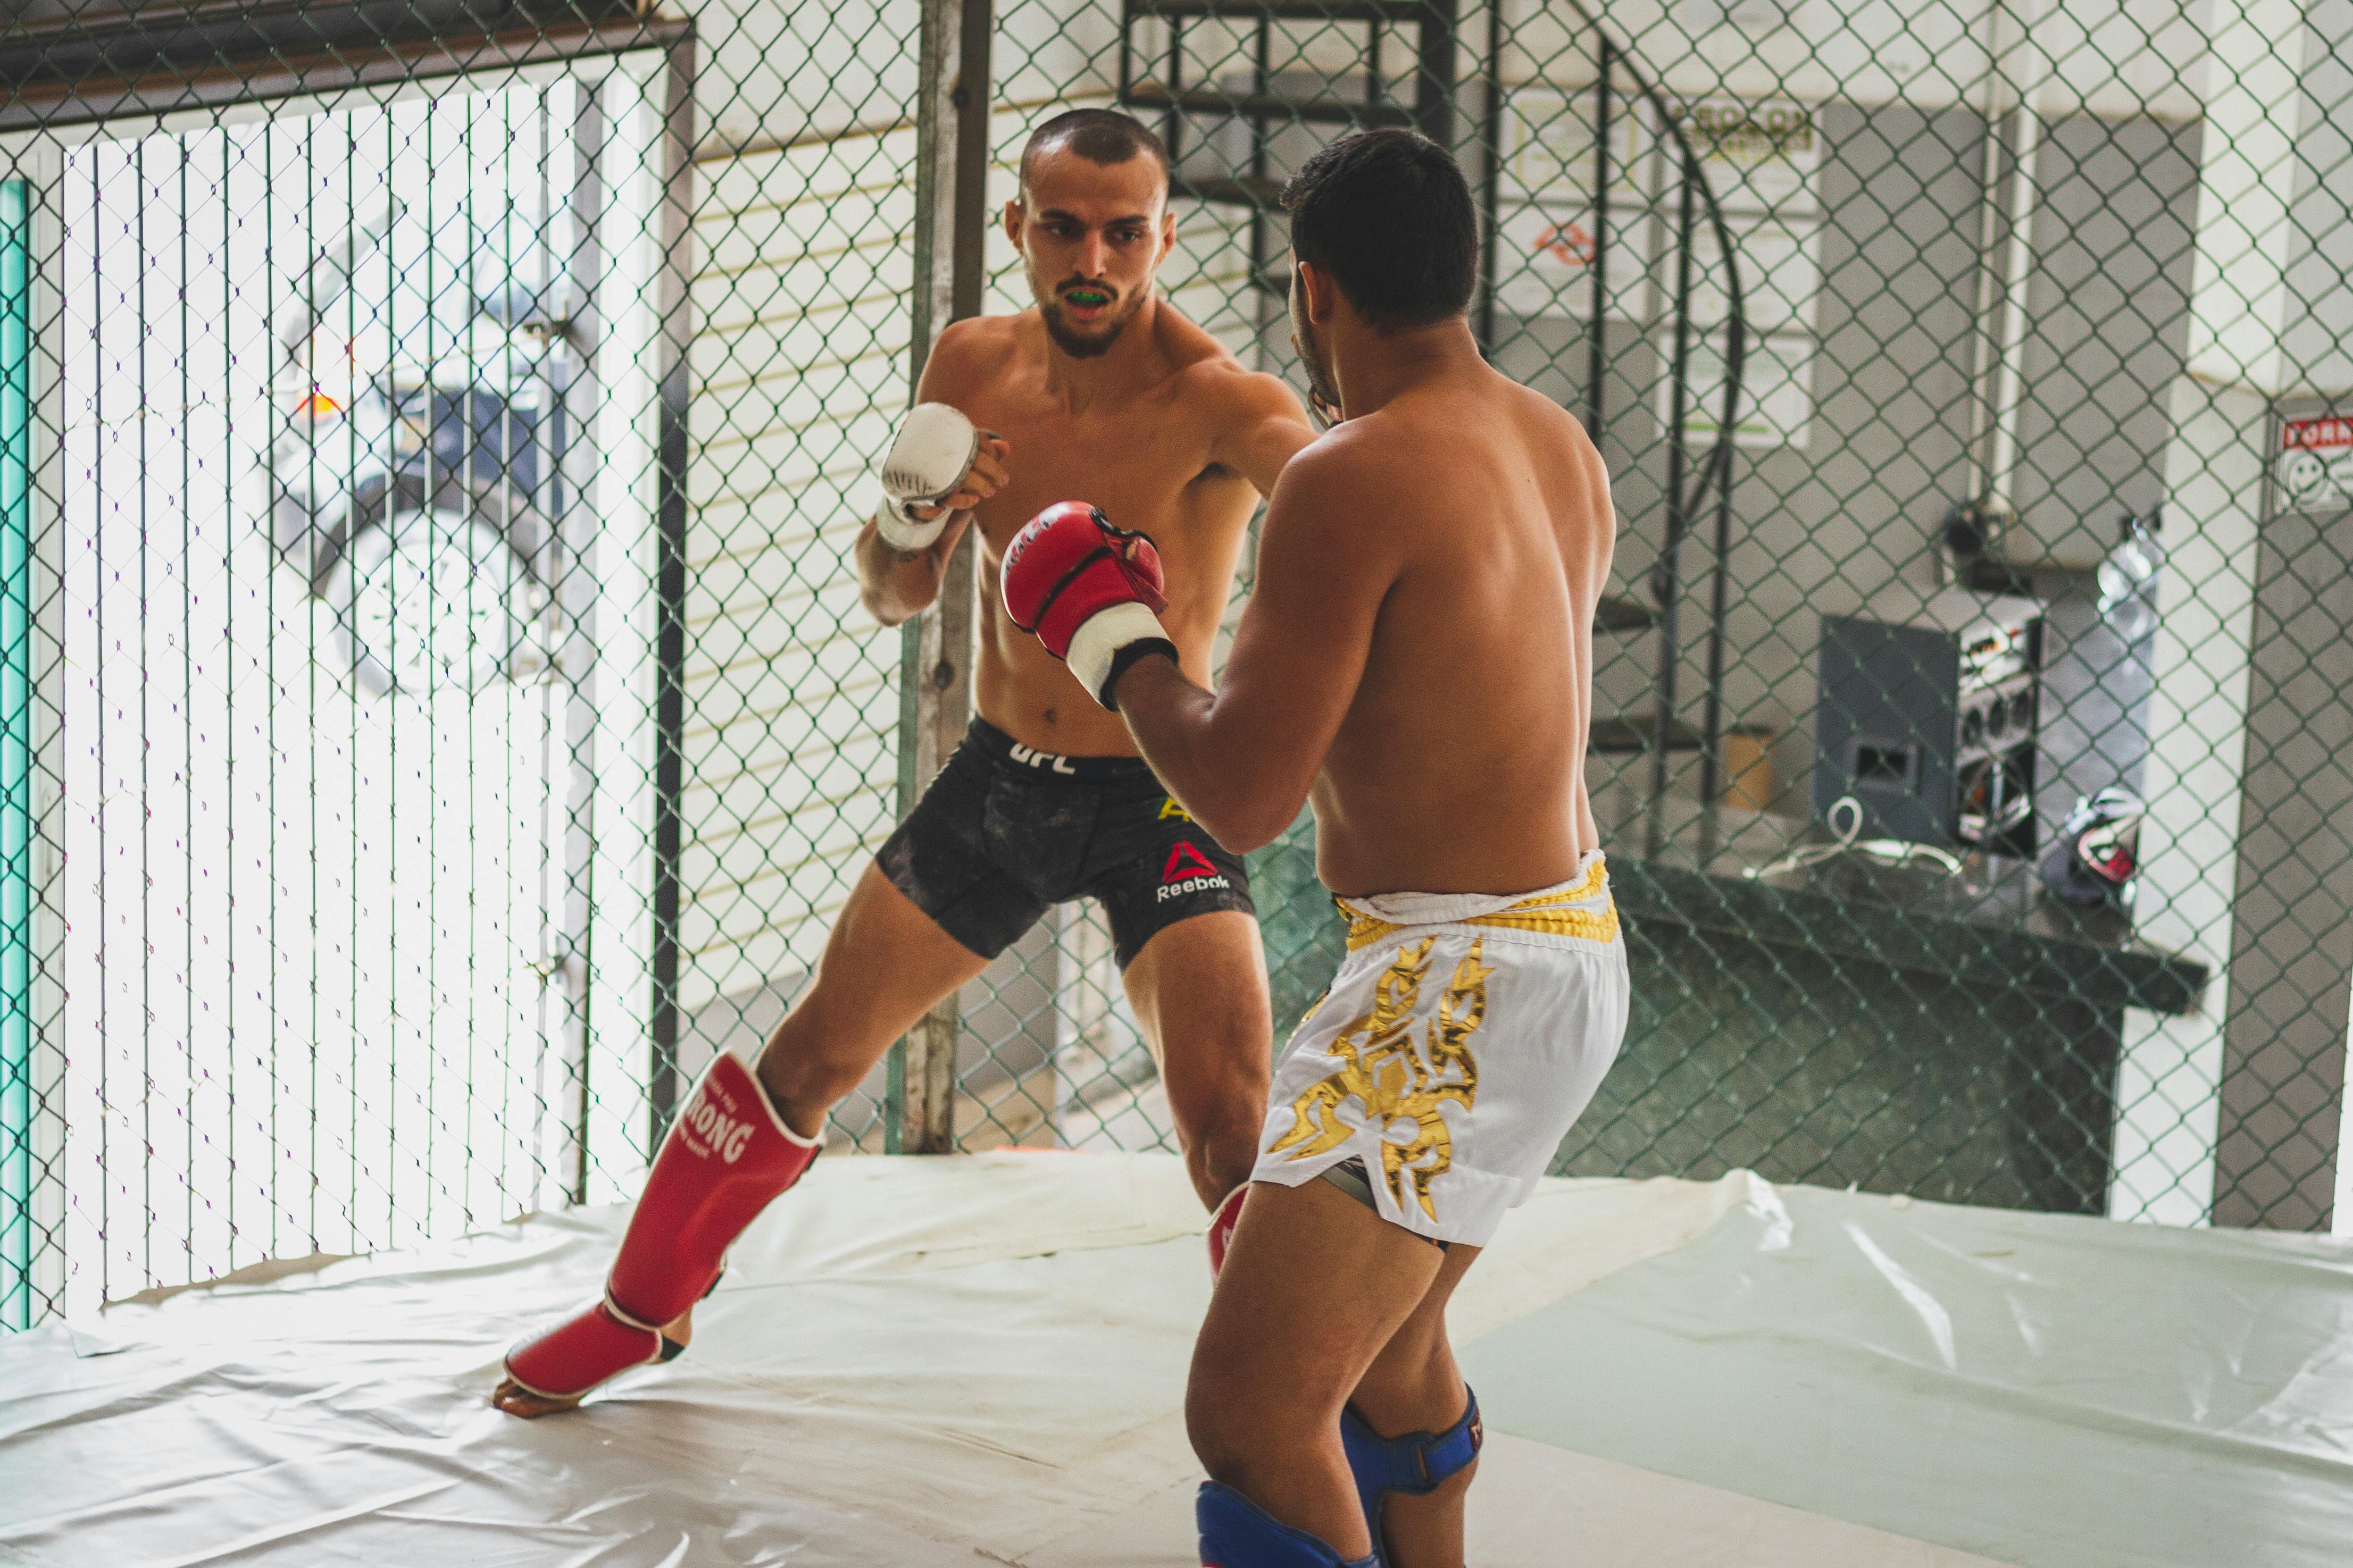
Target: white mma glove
[(928, 460)]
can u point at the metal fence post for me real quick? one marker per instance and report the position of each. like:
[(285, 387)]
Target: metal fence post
[(569, 955), (935, 697), (674, 345), (17, 878)]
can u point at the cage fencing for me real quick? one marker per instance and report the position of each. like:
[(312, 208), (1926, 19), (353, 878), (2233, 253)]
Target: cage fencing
[(436, 714)]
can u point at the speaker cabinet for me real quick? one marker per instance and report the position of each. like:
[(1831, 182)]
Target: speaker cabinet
[(1929, 718)]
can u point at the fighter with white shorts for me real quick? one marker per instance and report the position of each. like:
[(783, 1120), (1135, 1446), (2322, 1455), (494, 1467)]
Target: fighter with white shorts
[(1417, 661)]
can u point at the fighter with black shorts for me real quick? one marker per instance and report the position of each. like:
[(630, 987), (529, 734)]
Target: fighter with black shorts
[(1099, 389)]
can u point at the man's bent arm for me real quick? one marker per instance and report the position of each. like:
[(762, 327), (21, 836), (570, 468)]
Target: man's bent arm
[(1241, 760), (894, 584)]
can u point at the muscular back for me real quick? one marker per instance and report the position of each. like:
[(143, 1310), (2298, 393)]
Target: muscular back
[(1458, 764), (1147, 456)]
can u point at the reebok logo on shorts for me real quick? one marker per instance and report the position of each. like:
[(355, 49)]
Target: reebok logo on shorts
[(1189, 871)]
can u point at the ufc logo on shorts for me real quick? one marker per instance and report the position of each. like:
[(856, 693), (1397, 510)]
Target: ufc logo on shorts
[(1031, 759), (728, 1136)]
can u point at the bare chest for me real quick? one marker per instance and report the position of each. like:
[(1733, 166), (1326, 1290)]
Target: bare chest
[(1147, 470)]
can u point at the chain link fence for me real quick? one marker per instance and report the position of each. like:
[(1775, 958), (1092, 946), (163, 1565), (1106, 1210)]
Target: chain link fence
[(436, 713)]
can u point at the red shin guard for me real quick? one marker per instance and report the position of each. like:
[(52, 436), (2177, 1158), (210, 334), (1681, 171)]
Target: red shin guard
[(726, 1158)]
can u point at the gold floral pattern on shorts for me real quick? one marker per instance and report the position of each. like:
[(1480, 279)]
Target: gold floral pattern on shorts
[(1396, 1077)]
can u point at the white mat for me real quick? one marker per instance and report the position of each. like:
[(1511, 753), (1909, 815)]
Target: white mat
[(2054, 1391), (913, 1362)]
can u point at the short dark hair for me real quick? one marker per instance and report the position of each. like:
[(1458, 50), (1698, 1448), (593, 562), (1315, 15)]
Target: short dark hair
[(1388, 216), (1100, 136)]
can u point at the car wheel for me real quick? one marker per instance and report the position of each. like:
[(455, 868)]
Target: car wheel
[(437, 598)]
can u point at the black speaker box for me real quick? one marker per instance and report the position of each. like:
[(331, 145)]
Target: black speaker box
[(1929, 718)]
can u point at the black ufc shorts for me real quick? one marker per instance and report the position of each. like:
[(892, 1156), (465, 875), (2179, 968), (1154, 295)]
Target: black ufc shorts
[(1003, 831)]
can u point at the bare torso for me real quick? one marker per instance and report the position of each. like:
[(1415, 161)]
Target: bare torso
[(1148, 459), (1459, 765)]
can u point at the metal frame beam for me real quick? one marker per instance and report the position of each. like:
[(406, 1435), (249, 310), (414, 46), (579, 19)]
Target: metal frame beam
[(116, 79), (952, 156)]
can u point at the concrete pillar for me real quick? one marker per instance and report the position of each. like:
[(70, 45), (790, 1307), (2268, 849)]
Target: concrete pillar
[(2168, 1088)]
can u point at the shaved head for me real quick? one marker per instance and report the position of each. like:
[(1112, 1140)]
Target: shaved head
[(1098, 135)]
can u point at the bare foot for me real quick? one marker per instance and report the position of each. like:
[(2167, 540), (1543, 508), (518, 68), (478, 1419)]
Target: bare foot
[(516, 1400)]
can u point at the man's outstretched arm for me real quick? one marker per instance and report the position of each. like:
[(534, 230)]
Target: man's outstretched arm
[(1262, 430), (1241, 759)]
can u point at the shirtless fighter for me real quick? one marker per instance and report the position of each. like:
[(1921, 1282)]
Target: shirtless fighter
[(1417, 658), (1101, 389)]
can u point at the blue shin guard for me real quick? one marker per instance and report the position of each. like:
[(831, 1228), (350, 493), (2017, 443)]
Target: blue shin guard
[(1414, 1464), (1238, 1533)]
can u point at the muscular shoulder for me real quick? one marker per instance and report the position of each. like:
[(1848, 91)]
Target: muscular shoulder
[(1335, 484), (1377, 455), (1551, 425), (1331, 546), (1229, 397), (1377, 488), (1251, 422), (1563, 455), (1206, 378), (968, 355)]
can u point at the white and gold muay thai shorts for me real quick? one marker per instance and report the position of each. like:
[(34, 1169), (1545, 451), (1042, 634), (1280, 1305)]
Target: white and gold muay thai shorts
[(1463, 1035)]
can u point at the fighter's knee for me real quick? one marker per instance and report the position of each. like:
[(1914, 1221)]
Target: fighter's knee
[(1230, 1434), (1239, 1413), (1219, 1097), (802, 1101), (1234, 1115), (1221, 1146), (1417, 1348)]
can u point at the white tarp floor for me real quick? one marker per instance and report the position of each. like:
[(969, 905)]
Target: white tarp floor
[(949, 1361)]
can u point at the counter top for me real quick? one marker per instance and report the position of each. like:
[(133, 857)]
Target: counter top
[(1993, 924)]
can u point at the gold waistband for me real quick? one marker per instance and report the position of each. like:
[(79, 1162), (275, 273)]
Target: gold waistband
[(1545, 912)]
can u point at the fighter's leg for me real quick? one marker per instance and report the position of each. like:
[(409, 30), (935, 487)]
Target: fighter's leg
[(1414, 1386), (1198, 988), (1314, 1286), (885, 964)]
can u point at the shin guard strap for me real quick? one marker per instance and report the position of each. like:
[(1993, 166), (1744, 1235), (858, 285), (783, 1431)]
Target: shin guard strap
[(1414, 1464)]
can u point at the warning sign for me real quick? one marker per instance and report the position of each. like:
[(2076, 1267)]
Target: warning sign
[(1545, 263), (2316, 463)]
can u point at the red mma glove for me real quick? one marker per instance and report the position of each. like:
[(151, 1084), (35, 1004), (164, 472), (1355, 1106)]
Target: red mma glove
[(1091, 592)]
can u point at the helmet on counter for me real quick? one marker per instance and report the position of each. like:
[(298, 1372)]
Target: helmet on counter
[(2097, 853)]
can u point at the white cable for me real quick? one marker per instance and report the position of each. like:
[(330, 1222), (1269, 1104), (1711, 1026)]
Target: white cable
[(1894, 851)]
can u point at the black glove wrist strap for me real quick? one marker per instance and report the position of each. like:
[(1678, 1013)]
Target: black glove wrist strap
[(1127, 654)]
